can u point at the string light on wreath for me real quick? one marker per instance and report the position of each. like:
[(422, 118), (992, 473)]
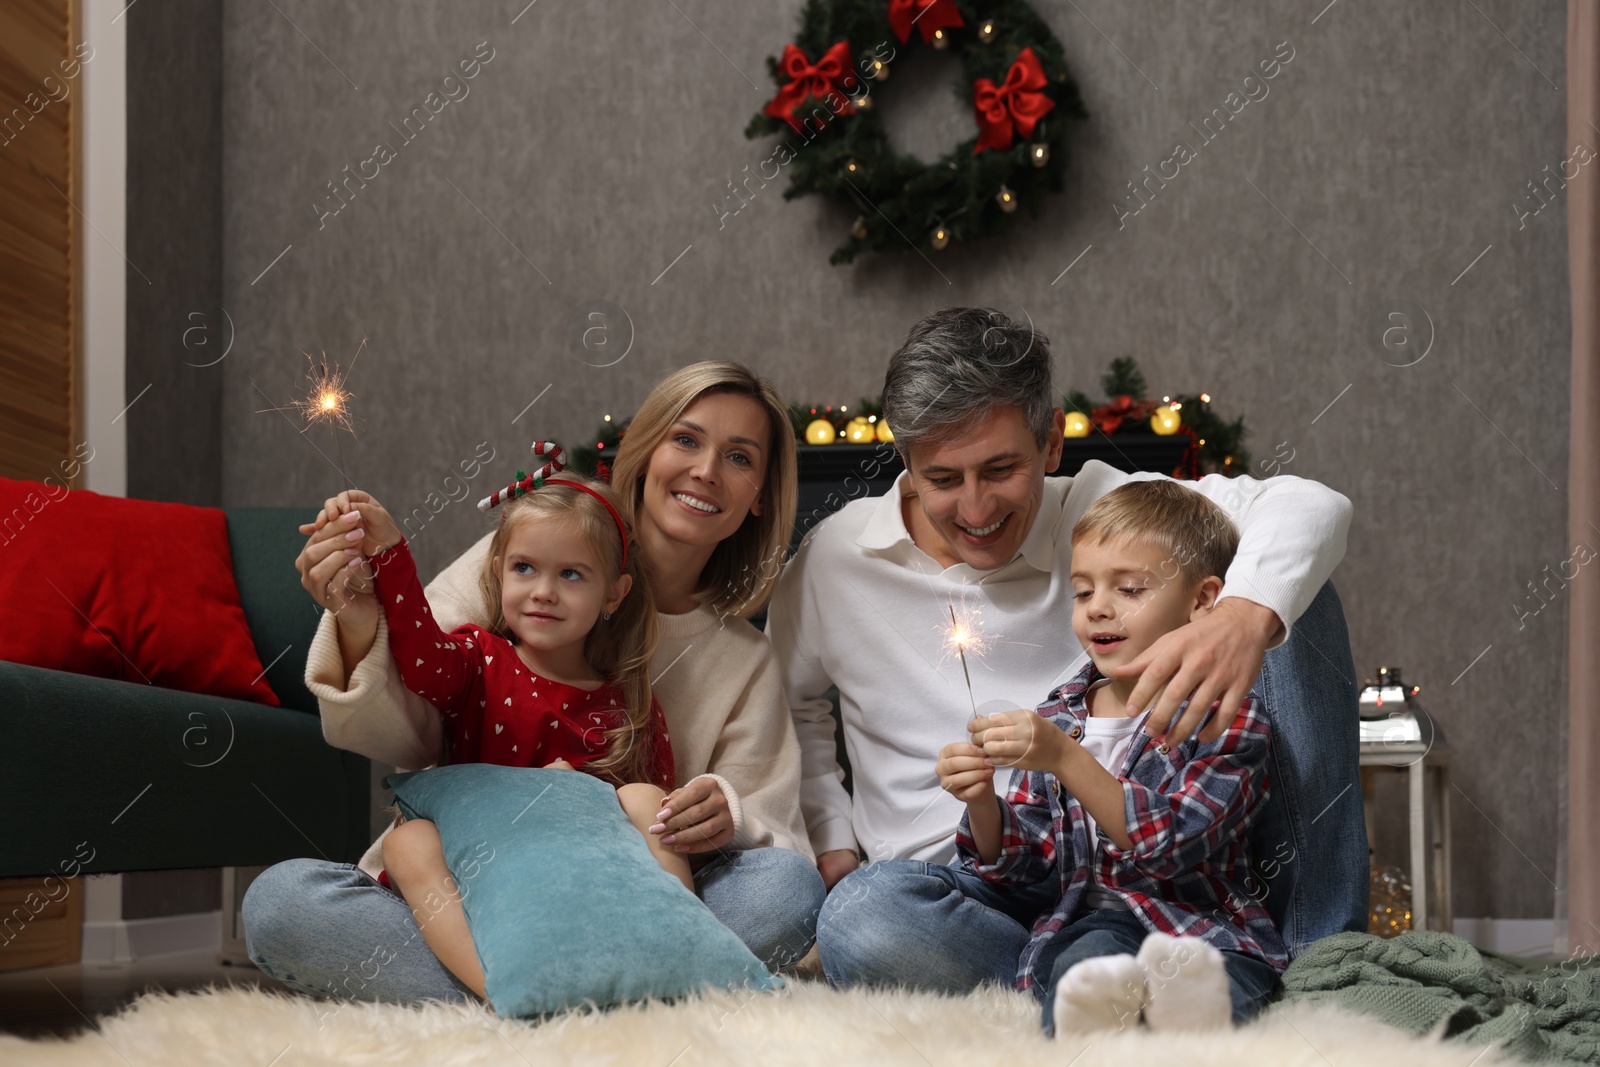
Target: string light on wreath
[(931, 17), (1014, 74)]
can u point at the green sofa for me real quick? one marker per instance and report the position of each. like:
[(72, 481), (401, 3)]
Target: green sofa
[(140, 778)]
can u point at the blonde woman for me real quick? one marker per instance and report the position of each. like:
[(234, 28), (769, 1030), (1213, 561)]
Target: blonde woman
[(707, 477)]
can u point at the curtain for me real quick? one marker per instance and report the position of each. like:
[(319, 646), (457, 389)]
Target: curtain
[(1582, 851)]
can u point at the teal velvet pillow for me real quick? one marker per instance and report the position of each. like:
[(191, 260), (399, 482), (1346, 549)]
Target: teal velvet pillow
[(566, 904)]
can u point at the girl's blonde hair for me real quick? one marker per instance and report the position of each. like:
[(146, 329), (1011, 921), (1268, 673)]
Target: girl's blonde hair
[(618, 649), (739, 577)]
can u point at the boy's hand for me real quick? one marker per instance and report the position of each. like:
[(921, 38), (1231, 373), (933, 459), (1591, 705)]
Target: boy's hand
[(965, 774), (1020, 739)]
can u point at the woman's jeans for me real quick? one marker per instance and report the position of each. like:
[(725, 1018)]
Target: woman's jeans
[(331, 928), (904, 923)]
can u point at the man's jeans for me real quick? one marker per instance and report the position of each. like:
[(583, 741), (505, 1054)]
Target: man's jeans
[(906, 923), (330, 928)]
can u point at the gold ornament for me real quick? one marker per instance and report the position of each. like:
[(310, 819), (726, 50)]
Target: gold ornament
[(1078, 424), (941, 40), (820, 432), (859, 230), (1006, 199), (1039, 154), (880, 71), (884, 433), (860, 431), (863, 102), (852, 167), (939, 238), (986, 32), (1166, 421)]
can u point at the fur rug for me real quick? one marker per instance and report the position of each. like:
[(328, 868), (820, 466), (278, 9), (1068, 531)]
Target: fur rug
[(807, 1024)]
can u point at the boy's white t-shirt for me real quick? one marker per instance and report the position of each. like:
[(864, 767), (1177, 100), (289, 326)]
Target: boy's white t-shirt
[(1107, 739)]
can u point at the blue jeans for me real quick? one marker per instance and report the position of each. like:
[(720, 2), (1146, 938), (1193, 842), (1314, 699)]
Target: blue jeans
[(1310, 839), (925, 926), (1110, 932), (878, 927), (330, 928)]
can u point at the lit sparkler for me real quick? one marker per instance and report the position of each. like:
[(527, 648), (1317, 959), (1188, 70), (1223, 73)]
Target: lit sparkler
[(326, 400), (962, 636)]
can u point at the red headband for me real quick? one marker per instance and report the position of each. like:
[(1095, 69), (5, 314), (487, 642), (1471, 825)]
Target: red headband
[(622, 530)]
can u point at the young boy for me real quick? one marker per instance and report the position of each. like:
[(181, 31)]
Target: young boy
[(1142, 842)]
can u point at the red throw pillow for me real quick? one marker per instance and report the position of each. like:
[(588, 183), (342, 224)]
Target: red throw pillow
[(127, 589)]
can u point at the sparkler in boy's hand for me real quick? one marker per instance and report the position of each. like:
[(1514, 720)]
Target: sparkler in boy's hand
[(959, 636)]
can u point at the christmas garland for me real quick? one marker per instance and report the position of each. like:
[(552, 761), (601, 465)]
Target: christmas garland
[(1016, 81), (1216, 445)]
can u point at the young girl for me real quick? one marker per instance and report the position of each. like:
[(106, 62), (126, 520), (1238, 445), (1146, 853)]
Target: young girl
[(559, 679)]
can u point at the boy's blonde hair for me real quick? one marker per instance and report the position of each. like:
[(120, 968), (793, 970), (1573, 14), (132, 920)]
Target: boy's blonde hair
[(619, 648), (1198, 537), (743, 570)]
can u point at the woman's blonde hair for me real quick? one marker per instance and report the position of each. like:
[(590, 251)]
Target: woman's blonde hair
[(739, 577), (619, 648)]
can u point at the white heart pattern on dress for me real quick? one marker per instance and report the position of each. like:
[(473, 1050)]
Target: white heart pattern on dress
[(399, 597), (499, 726), (419, 663), (488, 659)]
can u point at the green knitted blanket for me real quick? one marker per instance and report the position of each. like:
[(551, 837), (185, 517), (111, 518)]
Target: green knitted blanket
[(1540, 1010)]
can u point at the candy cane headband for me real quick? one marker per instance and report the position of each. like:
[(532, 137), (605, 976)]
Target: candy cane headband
[(526, 483)]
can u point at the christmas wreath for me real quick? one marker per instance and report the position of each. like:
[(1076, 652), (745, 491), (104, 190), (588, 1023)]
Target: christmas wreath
[(1015, 80)]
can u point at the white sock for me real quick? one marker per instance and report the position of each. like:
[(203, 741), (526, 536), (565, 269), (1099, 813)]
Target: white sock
[(1186, 984), (1100, 993)]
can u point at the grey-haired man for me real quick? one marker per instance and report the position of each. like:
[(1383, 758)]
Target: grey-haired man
[(976, 524)]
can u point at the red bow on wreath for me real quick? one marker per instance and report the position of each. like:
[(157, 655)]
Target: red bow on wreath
[(927, 15), (810, 80), (1107, 417), (1017, 103)]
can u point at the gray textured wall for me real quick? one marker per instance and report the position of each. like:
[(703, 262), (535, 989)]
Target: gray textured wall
[(594, 146), (177, 327)]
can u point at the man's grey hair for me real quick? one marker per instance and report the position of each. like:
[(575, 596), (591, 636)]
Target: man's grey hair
[(958, 365)]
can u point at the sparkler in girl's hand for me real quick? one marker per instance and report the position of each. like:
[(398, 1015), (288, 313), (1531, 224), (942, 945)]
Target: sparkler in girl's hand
[(327, 400)]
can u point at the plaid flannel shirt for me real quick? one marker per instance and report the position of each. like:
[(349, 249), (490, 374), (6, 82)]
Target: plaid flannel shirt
[(1189, 810)]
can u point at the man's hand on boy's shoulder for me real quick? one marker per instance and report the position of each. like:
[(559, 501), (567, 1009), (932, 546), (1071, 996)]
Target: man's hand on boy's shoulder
[(1214, 658)]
